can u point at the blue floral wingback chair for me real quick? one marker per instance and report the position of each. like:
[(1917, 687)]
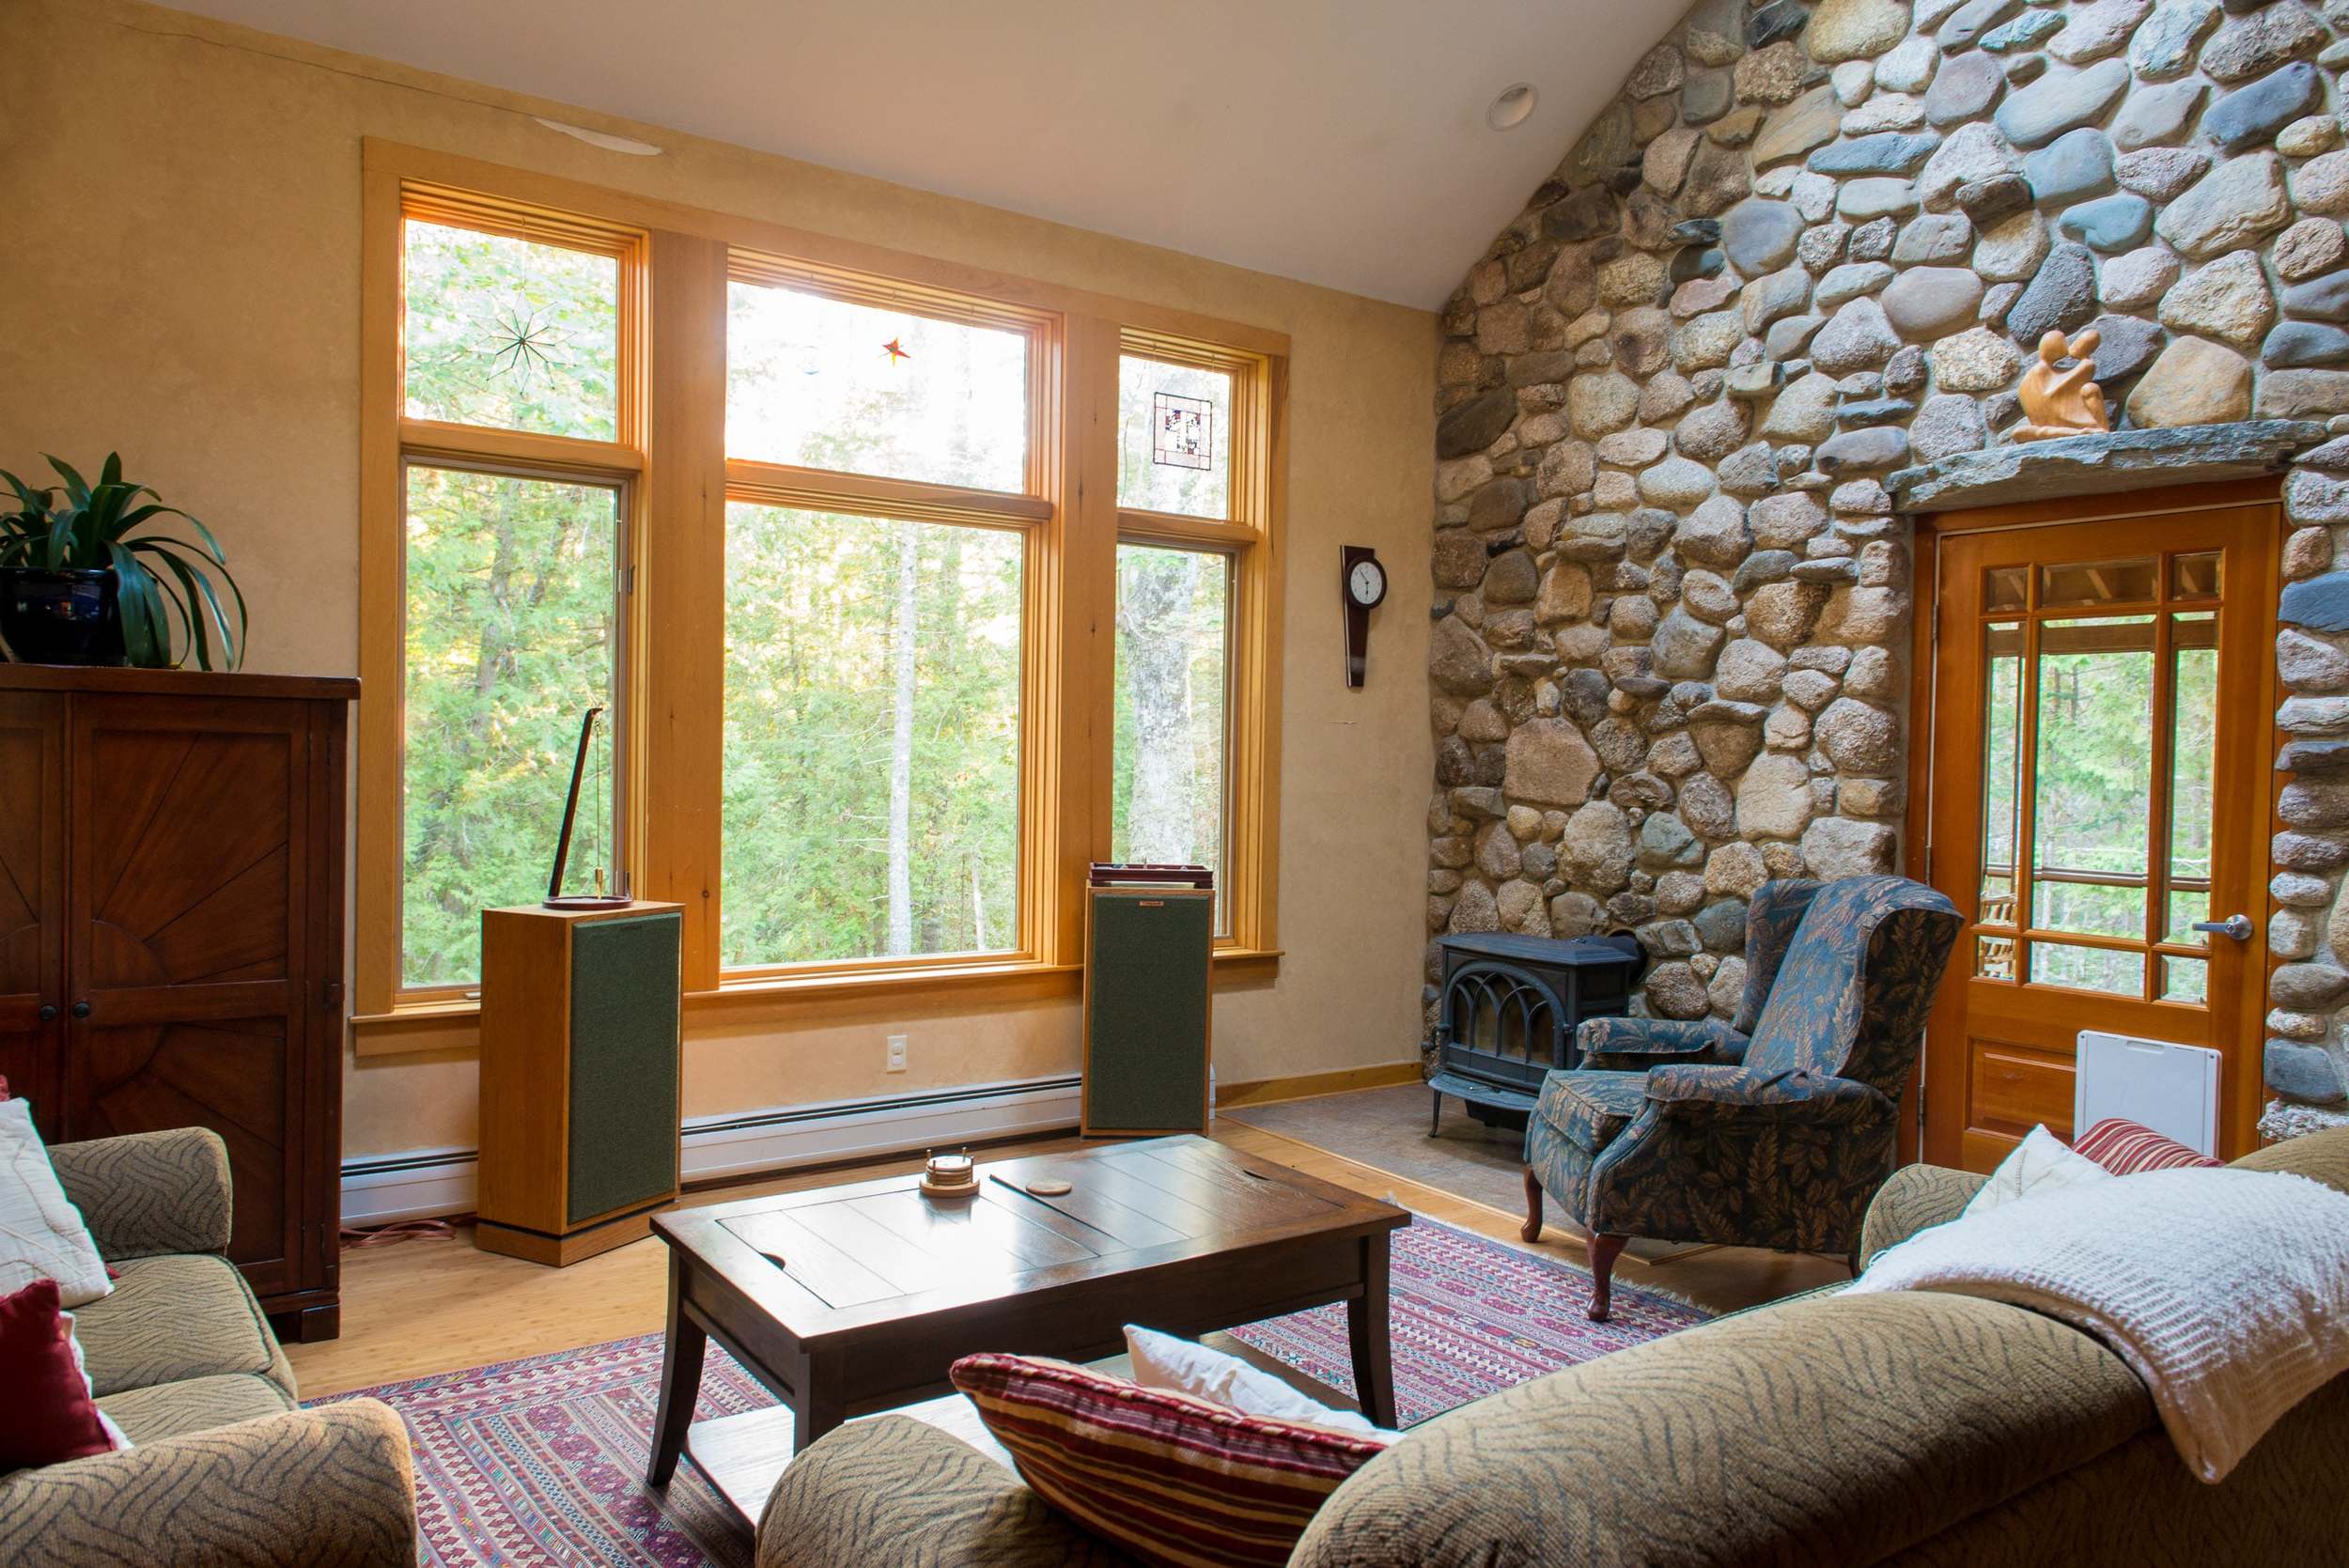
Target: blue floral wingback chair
[(1771, 1131)]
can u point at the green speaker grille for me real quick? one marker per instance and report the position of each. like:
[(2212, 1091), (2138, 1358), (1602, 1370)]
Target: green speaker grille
[(624, 1062), (1147, 1000)]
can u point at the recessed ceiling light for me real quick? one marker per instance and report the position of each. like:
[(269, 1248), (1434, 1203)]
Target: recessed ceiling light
[(1513, 107)]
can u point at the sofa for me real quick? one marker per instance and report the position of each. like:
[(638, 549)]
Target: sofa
[(225, 1466), (1902, 1429)]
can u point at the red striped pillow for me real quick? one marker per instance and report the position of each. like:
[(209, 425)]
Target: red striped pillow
[(1171, 1478), (2124, 1148)]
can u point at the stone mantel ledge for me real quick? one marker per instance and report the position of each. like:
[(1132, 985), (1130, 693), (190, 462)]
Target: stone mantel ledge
[(2102, 464)]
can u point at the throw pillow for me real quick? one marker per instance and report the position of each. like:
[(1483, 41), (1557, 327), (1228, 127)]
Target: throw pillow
[(49, 1414), (2124, 1148), (2040, 1163), (1171, 1478), (1164, 1361), (41, 1234)]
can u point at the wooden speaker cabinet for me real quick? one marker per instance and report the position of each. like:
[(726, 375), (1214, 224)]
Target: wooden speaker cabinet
[(171, 937), (580, 1045)]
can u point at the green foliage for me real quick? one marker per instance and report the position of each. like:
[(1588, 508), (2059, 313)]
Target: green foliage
[(813, 612), (167, 586), (509, 332)]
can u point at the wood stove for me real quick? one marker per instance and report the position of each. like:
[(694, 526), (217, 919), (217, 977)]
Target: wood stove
[(1509, 1006)]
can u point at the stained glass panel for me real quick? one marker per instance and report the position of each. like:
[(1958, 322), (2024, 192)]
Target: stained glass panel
[(1173, 438), (510, 333)]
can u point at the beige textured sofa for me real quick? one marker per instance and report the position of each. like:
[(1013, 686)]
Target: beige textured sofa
[(225, 1466), (1909, 1429)]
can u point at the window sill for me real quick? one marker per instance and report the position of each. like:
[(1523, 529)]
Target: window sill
[(422, 1028)]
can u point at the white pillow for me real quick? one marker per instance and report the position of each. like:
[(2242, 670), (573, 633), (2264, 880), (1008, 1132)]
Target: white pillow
[(2040, 1163), (1163, 1361), (41, 1234)]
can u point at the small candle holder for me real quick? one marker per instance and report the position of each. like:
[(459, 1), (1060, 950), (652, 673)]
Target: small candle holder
[(954, 1174)]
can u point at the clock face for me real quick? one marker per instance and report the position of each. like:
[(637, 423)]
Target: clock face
[(1367, 583)]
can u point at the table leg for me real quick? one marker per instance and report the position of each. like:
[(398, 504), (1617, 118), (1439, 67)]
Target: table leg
[(821, 1408), (1366, 1327), (680, 1380)]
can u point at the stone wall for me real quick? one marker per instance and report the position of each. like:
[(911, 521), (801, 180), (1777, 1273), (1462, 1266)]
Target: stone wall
[(1809, 245)]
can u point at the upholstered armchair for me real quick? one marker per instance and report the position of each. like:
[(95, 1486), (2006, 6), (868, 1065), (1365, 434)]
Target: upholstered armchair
[(1774, 1129)]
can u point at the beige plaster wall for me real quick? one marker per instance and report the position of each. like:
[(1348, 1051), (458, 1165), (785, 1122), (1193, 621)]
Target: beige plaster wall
[(183, 283)]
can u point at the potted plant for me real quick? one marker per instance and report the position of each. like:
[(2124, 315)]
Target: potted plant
[(87, 576)]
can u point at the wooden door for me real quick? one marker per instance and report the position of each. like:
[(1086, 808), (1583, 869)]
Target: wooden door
[(2099, 784), (32, 902), (188, 930)]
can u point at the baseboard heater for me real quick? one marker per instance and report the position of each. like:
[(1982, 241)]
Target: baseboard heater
[(417, 1184)]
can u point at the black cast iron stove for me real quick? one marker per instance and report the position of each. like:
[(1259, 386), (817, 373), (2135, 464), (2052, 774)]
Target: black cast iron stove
[(1509, 1012)]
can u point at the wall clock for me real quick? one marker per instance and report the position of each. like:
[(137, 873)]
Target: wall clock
[(1361, 584)]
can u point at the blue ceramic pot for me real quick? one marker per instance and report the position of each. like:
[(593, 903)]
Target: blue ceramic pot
[(61, 618)]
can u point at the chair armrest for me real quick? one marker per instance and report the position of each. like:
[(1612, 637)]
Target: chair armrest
[(1915, 1198), (1627, 1044), (1734, 1092), (891, 1489), (150, 1192), (331, 1486)]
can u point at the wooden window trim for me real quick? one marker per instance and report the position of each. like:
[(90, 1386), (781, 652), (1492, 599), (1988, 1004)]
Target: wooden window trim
[(676, 263)]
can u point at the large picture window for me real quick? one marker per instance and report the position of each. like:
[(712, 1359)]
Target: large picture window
[(907, 590)]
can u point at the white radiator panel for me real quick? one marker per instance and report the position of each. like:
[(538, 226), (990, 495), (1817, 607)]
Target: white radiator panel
[(2172, 1089)]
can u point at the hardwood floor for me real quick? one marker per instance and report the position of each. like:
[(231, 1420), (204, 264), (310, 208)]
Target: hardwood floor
[(440, 1304)]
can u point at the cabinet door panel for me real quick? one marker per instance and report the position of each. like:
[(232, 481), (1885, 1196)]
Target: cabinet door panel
[(187, 936), (32, 894)]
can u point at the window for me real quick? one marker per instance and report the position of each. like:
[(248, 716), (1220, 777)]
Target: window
[(1168, 797), (872, 737), (951, 583), (512, 587), (1193, 508), (515, 489)]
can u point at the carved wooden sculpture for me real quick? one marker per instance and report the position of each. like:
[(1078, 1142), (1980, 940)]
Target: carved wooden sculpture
[(2058, 402)]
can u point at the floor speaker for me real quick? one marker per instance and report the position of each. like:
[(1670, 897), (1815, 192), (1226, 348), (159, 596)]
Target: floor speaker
[(579, 1077), (1147, 950)]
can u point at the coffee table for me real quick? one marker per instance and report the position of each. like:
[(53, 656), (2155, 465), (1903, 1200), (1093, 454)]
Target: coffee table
[(847, 1299)]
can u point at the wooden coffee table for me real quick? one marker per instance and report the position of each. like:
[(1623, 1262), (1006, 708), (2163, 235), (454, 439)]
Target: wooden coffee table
[(847, 1299)]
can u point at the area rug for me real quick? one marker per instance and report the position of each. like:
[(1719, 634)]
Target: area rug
[(541, 1460)]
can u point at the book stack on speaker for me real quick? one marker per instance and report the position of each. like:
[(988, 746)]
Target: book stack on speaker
[(1149, 937)]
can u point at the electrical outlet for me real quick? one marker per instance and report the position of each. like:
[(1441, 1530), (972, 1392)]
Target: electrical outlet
[(896, 1053)]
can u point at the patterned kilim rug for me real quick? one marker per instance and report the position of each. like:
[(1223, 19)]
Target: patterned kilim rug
[(540, 1461)]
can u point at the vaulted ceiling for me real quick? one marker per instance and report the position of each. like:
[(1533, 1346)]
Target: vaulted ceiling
[(1341, 141)]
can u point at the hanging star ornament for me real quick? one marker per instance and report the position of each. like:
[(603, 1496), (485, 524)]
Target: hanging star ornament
[(895, 350)]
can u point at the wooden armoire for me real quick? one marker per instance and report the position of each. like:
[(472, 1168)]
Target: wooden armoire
[(171, 936)]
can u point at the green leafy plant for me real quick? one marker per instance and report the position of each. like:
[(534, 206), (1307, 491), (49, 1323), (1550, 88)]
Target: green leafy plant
[(167, 585)]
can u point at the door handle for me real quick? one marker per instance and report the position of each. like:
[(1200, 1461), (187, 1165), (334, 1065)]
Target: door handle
[(2237, 926), (80, 1009), (48, 1012)]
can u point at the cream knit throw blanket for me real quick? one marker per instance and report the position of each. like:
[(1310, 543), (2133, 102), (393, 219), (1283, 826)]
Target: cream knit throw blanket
[(2226, 1291)]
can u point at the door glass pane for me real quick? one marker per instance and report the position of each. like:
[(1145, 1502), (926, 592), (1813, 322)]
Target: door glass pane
[(2088, 969), (2005, 587), (2091, 582), (1167, 796), (1173, 438), (2196, 576), (2184, 978), (828, 384), (2093, 793), (511, 332), (2194, 735), (2001, 780), (1994, 957), (512, 595), (872, 737)]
